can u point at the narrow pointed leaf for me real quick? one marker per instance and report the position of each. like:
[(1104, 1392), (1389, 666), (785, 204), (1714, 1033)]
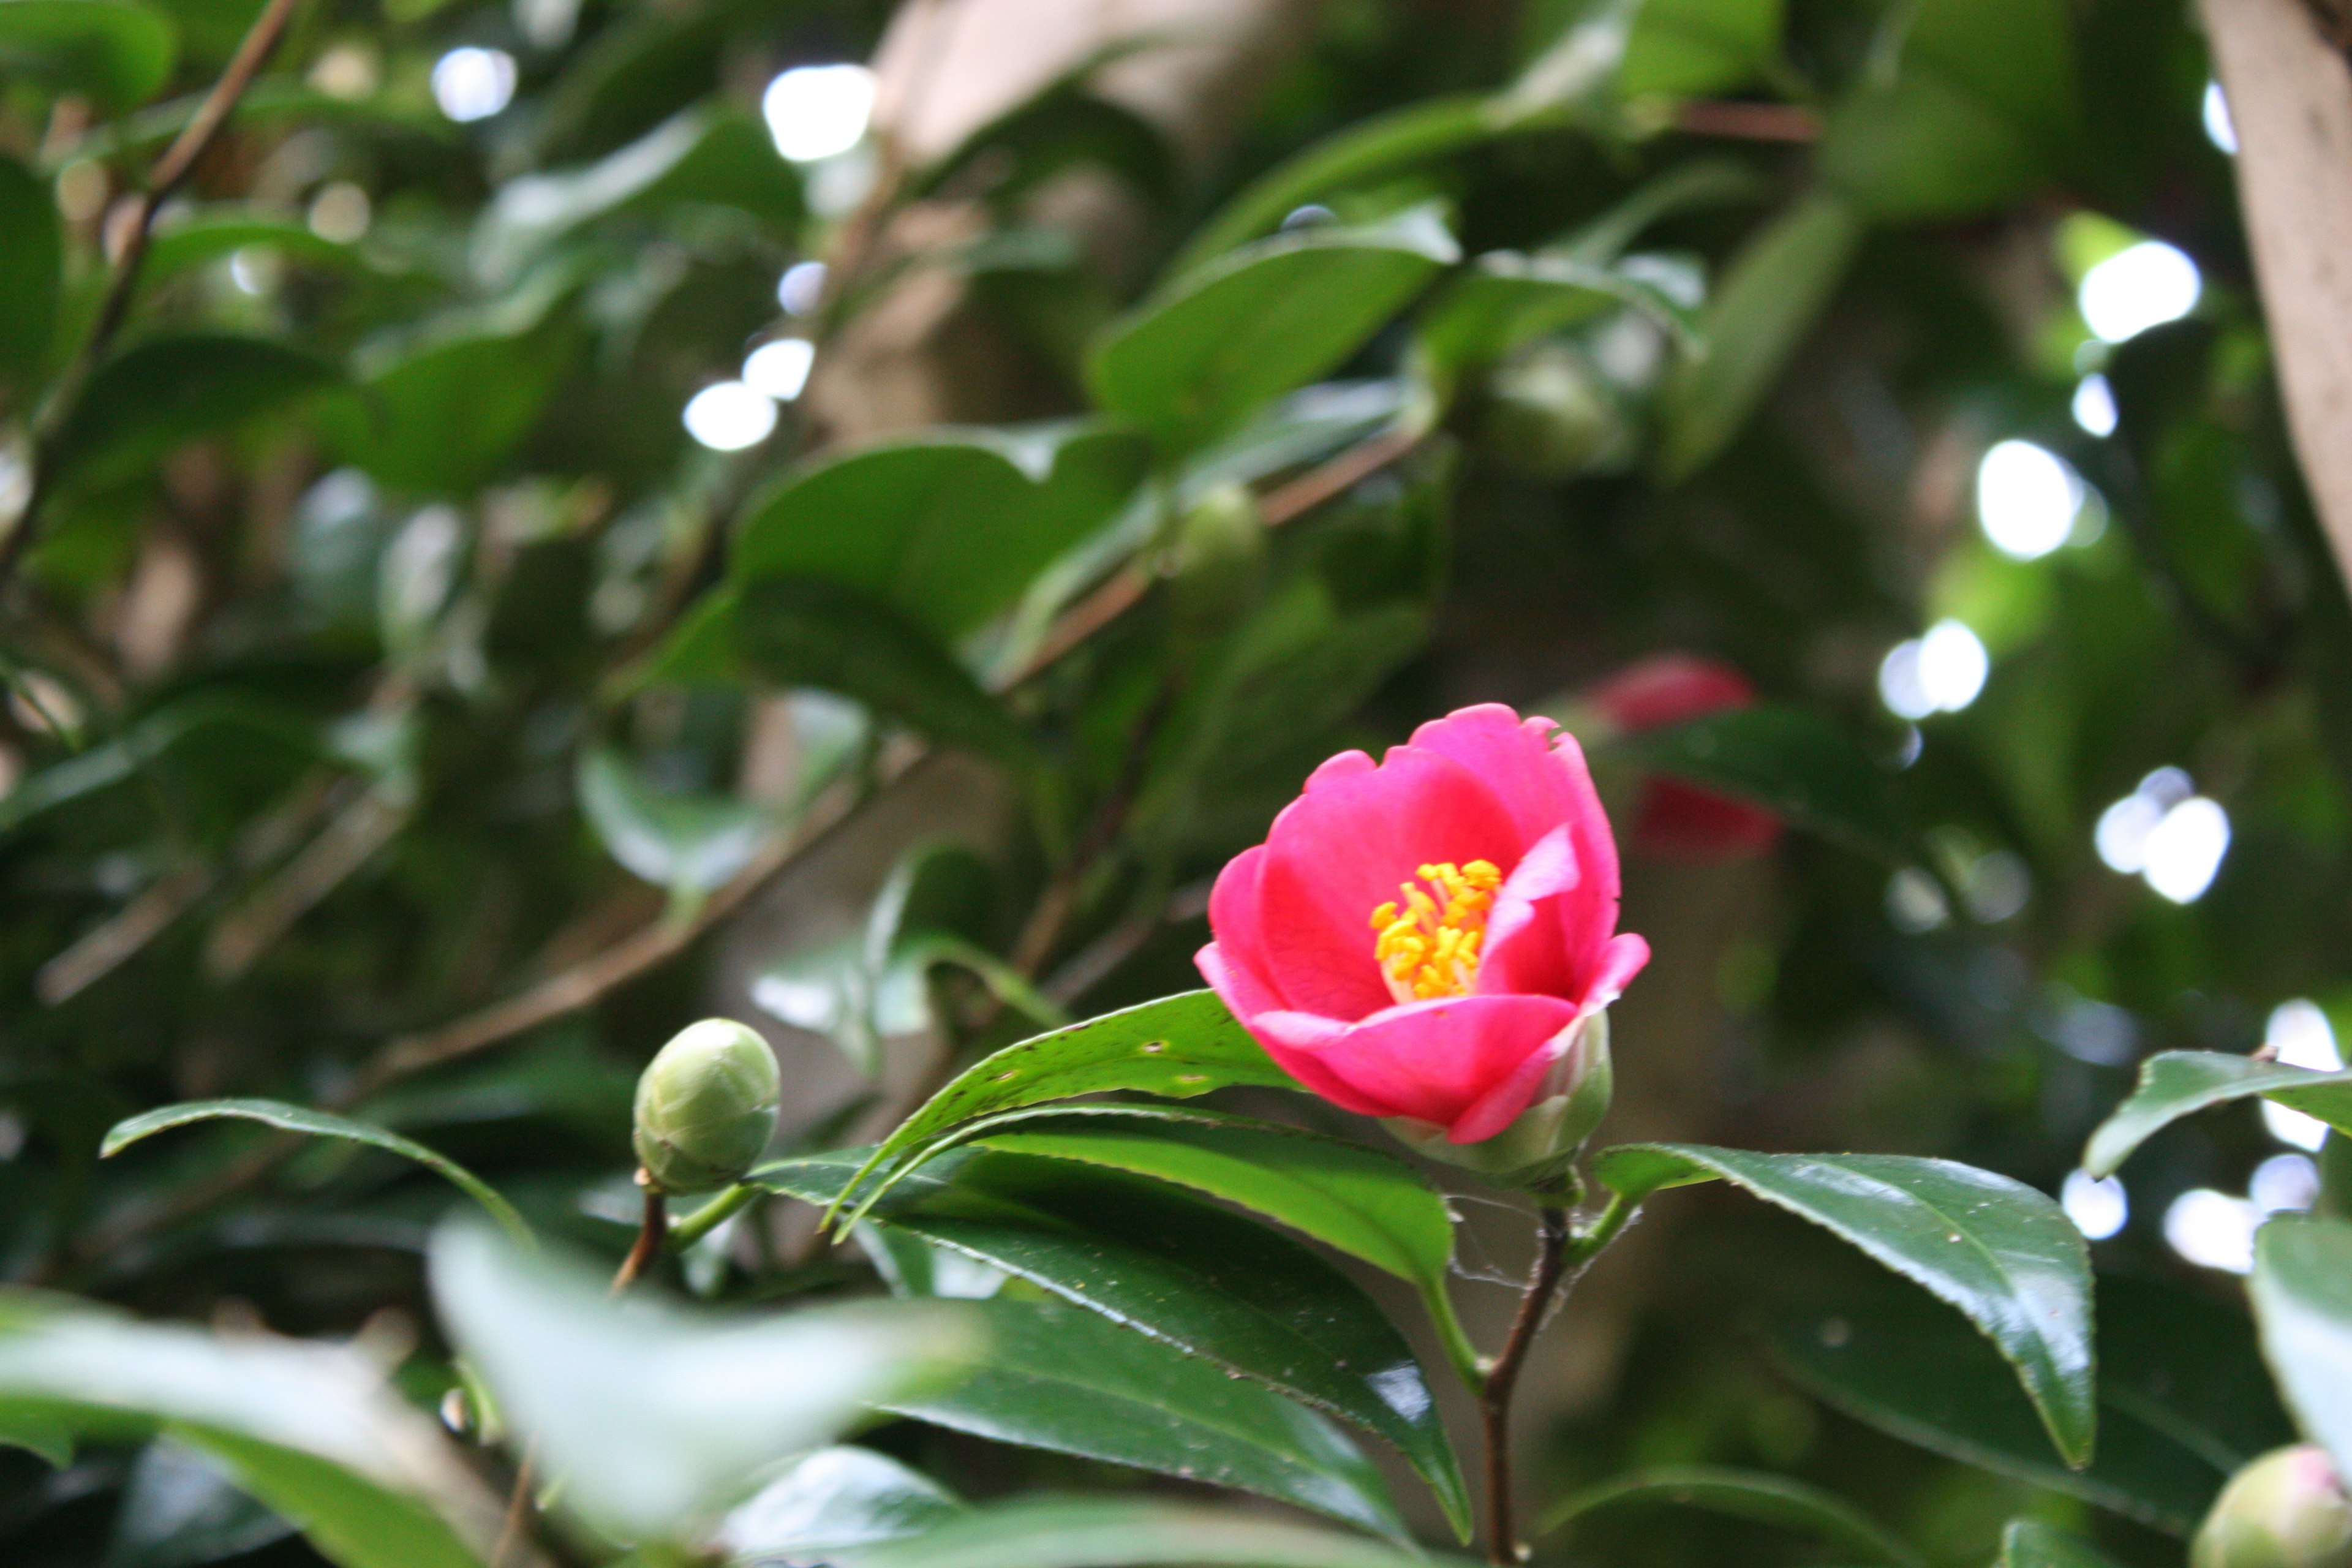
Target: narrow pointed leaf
[(1056, 1377), (2003, 1253), (1118, 1532), (1754, 1495), (2029, 1544), (2174, 1084), (316, 1124)]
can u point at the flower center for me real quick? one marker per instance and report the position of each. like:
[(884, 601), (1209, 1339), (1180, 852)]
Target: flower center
[(1427, 947)]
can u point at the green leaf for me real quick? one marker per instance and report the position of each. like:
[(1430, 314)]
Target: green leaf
[(442, 416), (1198, 1276), (32, 251), (718, 157), (1795, 763), (1690, 49), (118, 54), (316, 1124), (2302, 1292), (2002, 1252), (803, 632), (1179, 1047), (654, 1419), (1058, 1378), (688, 844), (180, 1508), (2183, 1398), (2174, 1084), (1976, 106), (312, 1430), (947, 528), (1754, 1495), (213, 235), (1506, 300), (835, 1500), (2028, 1543), (1218, 344), (1776, 287), (115, 760), (37, 1432), (1117, 1533), (167, 390)]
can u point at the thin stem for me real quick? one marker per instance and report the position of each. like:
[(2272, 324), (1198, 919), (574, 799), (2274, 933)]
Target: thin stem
[(1439, 1302), (712, 1214), (1551, 1260)]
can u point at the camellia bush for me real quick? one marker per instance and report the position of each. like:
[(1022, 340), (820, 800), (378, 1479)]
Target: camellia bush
[(1236, 686)]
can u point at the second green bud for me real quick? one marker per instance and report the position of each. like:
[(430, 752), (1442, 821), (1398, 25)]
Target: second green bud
[(706, 1106)]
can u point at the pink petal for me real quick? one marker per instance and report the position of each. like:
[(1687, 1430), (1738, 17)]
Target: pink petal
[(1500, 1106), (1522, 951), (1339, 852), (1430, 1060), (1291, 1039), (1233, 922), (1621, 960)]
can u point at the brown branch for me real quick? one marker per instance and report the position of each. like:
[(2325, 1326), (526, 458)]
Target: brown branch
[(163, 178), (1502, 1380), (1748, 121)]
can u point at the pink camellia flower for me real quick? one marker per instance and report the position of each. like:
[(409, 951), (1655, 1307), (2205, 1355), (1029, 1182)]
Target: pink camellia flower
[(1432, 938), (1676, 820)]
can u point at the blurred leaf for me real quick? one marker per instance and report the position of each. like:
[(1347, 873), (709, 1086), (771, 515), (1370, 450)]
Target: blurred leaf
[(213, 235), (115, 760), (1796, 764), (689, 845), (1504, 299), (1212, 348), (165, 391), (1689, 49), (1754, 1495), (712, 156), (37, 1432), (1973, 104), (315, 1124), (803, 632), (1064, 127), (947, 528), (116, 53), (2003, 1253), (2302, 1292), (2183, 1400), (312, 1430), (834, 1500), (2028, 1543), (652, 1418), (32, 252), (181, 1509), (443, 416), (1774, 289), (1199, 1278), (1058, 1378), (2174, 1084), (1118, 1532), (1179, 1047)]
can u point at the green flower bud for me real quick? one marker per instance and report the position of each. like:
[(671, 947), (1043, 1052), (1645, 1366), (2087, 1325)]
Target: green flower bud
[(2287, 1510), (706, 1106), (1536, 1148), (1546, 415)]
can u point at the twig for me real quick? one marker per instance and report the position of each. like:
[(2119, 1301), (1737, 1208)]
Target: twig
[(1748, 121), (1502, 1380), (165, 178)]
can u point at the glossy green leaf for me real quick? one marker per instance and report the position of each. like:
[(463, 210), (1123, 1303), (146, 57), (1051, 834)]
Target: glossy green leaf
[(116, 53), (1120, 1532), (1504, 299), (2302, 1293), (2002, 1252), (947, 528), (181, 1508), (1197, 359), (167, 390), (1687, 49), (1971, 102), (835, 1500), (315, 1124), (1756, 1495), (213, 235), (2183, 1398), (1769, 298), (2174, 1084), (803, 632), (1795, 763), (312, 1430), (32, 252), (688, 844), (655, 1419), (705, 156), (1060, 1378), (1193, 1275), (2029, 1544), (1179, 1047)]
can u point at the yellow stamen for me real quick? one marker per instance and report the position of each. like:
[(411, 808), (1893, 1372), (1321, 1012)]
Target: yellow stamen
[(1426, 950)]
